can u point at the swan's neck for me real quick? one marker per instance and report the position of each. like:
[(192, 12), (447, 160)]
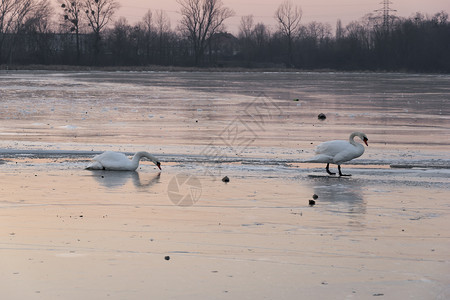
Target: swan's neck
[(137, 157), (351, 139)]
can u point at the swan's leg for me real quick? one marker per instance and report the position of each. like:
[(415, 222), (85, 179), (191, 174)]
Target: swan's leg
[(340, 173), (328, 170)]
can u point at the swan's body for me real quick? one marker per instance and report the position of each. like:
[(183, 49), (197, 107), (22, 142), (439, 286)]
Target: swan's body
[(116, 161), (338, 152)]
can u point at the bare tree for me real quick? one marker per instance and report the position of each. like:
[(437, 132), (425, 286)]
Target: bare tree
[(73, 16), (7, 14), (99, 13), (262, 36), (316, 32), (39, 18), (245, 37), (121, 41), (339, 30), (38, 28), (261, 33), (246, 27), (200, 20), (162, 24), (288, 16), (147, 28), (13, 14), (147, 21)]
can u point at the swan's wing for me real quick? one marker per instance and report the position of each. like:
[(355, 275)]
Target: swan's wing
[(349, 154), (339, 151), (110, 156), (332, 148), (110, 160)]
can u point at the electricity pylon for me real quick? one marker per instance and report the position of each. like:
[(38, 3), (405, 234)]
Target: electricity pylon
[(386, 13)]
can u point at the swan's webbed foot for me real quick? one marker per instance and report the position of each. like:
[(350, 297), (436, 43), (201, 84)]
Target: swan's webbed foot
[(340, 173), (328, 170)]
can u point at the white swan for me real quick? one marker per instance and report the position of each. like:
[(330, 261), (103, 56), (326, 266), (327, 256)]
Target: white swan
[(337, 151), (116, 161)]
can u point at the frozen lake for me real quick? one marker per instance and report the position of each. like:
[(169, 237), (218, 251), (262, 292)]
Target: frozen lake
[(405, 116), (66, 232)]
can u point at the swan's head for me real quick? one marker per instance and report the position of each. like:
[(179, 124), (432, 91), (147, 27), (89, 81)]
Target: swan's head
[(140, 154), (363, 137)]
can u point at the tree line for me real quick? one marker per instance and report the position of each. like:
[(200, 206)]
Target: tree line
[(85, 33)]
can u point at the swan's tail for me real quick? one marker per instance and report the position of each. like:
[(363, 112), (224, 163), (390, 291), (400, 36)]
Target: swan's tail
[(95, 165), (321, 158)]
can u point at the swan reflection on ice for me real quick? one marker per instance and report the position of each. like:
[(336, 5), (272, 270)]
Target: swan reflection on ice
[(115, 179), (345, 197)]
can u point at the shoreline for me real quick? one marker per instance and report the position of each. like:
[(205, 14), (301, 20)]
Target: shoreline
[(158, 68)]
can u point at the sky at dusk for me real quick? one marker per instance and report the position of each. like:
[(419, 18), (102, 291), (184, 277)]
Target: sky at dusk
[(327, 11)]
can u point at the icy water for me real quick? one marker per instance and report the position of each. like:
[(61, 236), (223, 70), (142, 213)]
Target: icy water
[(67, 233), (405, 116)]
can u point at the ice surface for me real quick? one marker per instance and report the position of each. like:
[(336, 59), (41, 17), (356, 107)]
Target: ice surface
[(66, 232), (223, 117)]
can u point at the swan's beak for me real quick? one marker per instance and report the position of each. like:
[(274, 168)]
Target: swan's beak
[(158, 164), (365, 141)]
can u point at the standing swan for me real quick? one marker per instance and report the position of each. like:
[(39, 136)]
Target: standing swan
[(338, 151), (116, 161)]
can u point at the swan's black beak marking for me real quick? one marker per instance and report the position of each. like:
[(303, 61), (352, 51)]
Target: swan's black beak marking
[(158, 164), (365, 141)]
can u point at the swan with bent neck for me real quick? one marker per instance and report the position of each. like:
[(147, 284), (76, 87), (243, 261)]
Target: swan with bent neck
[(338, 152), (116, 161)]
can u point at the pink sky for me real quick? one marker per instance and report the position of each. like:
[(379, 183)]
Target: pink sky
[(263, 10)]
